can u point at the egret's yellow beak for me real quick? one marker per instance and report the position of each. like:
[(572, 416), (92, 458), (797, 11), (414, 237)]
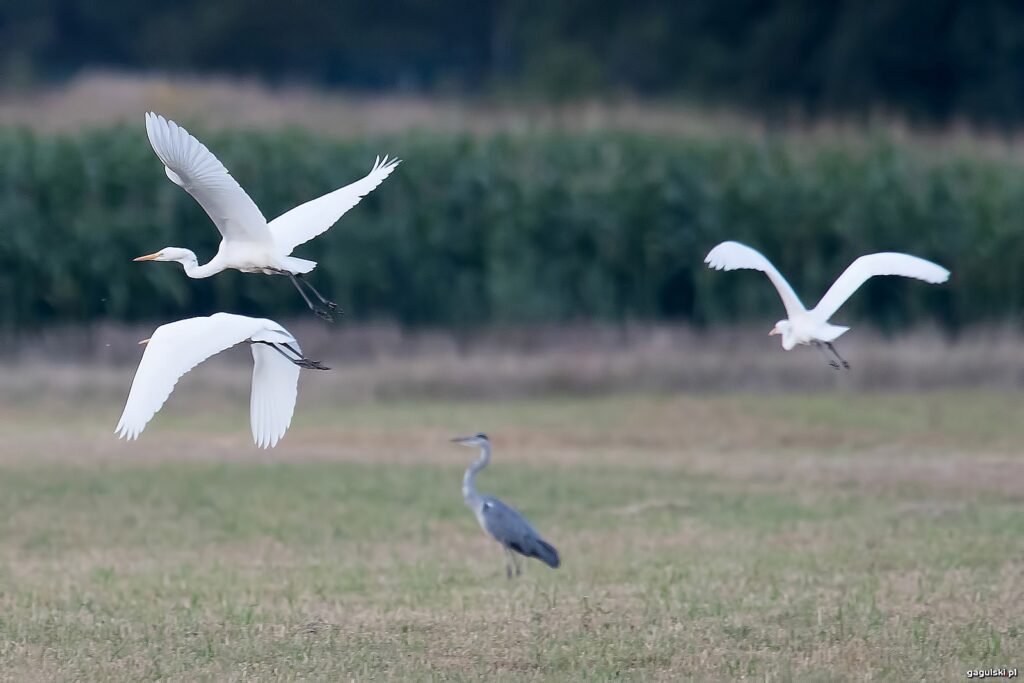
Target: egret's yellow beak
[(775, 330), (149, 257), (144, 341)]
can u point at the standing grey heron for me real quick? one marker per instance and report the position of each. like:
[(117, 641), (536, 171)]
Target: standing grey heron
[(502, 522)]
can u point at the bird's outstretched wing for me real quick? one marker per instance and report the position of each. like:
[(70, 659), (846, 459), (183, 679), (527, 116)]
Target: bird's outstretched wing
[(173, 350), (508, 526), (736, 256), (192, 166), (885, 263), (308, 220), (275, 382)]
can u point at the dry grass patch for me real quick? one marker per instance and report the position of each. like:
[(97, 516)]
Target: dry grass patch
[(826, 537)]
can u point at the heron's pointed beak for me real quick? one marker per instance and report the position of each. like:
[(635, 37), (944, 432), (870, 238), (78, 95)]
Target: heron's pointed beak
[(144, 341), (775, 330), (461, 439), (148, 257)]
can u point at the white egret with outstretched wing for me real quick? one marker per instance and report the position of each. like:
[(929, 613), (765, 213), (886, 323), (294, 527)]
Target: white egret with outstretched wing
[(250, 244), (804, 326), (176, 348)]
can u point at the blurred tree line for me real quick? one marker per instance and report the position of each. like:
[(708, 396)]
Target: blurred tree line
[(927, 59), (544, 227)]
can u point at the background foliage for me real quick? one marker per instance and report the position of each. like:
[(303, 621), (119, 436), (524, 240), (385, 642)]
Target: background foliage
[(544, 227), (927, 59)]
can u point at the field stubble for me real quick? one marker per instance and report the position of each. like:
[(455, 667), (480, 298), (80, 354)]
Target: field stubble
[(828, 534)]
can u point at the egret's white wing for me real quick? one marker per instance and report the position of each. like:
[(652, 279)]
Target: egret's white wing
[(173, 350), (274, 386), (192, 166), (308, 220), (885, 263), (733, 256)]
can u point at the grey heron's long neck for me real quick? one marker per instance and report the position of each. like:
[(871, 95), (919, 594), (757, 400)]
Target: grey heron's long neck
[(469, 493)]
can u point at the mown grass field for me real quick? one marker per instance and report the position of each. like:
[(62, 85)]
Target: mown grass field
[(840, 536)]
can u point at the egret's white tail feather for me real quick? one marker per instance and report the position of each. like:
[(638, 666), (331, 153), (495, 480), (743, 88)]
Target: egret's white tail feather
[(827, 333), (298, 265)]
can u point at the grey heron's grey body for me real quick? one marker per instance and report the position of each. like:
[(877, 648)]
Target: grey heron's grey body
[(502, 522)]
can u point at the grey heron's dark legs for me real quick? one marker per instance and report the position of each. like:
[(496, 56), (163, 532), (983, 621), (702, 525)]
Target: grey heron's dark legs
[(818, 345), (836, 354), (299, 359), (515, 562), (510, 562)]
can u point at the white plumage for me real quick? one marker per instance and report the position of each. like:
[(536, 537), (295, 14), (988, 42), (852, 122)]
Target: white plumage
[(306, 221), (190, 165), (176, 348), (813, 327), (250, 244)]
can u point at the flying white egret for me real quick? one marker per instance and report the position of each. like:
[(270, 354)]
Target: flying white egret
[(176, 348), (250, 244), (812, 327)]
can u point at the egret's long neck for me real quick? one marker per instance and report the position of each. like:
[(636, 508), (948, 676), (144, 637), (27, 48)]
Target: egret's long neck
[(196, 271), (469, 493)]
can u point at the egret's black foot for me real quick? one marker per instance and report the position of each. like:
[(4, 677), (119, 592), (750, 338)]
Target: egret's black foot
[(324, 301), (839, 358), (311, 364), (323, 314)]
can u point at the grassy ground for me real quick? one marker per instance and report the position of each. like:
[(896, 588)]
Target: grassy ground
[(840, 536)]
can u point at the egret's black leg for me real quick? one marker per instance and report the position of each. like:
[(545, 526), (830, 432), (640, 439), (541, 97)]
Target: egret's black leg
[(305, 297), (310, 364), (326, 302), (818, 345), (836, 354), (320, 311), (299, 360), (317, 308), (295, 351)]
